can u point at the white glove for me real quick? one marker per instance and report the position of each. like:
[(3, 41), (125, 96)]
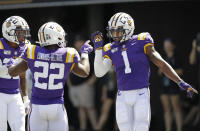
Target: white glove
[(26, 104)]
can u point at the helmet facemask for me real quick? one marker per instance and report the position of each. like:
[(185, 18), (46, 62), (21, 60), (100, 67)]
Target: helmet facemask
[(21, 34), (116, 34)]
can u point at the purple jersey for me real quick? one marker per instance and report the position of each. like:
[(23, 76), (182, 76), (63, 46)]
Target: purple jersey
[(49, 70), (9, 85), (130, 61)]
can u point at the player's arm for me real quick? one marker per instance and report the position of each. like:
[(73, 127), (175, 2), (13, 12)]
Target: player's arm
[(23, 84), (156, 58), (17, 68), (101, 65), (24, 91), (82, 68)]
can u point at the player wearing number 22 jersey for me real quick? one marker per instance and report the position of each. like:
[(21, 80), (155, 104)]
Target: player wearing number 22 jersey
[(49, 69), (50, 64)]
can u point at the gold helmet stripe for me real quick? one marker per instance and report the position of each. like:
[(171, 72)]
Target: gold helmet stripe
[(43, 32), (40, 36), (117, 18), (113, 19)]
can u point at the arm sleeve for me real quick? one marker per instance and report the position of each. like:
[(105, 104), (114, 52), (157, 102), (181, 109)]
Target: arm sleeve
[(101, 65)]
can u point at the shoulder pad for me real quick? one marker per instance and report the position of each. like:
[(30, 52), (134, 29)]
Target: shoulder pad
[(31, 51), (1, 44), (70, 55), (142, 36), (107, 47)]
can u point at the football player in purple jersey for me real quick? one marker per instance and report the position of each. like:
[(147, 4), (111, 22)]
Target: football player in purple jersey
[(15, 30), (130, 55), (50, 64)]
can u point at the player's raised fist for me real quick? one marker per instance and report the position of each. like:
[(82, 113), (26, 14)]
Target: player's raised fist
[(97, 39)]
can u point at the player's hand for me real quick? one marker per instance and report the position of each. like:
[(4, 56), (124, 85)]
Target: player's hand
[(86, 47), (97, 39), (10, 62), (185, 86), (26, 104)]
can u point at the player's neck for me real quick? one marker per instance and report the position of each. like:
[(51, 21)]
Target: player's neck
[(13, 45), (52, 47)]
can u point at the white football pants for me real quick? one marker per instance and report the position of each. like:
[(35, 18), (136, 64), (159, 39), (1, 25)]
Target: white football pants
[(133, 110), (12, 110), (51, 117)]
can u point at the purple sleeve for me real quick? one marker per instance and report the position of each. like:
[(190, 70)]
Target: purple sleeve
[(76, 57), (146, 40), (72, 56), (29, 53)]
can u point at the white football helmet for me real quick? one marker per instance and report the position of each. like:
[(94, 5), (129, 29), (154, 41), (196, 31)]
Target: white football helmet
[(123, 23), (13, 24), (51, 33)]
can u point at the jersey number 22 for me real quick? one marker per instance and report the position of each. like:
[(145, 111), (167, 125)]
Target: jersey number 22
[(44, 74)]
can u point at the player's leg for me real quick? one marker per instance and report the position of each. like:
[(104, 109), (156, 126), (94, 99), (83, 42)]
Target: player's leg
[(142, 111), (177, 111), (59, 121), (16, 113), (167, 111), (37, 120), (124, 113), (3, 112)]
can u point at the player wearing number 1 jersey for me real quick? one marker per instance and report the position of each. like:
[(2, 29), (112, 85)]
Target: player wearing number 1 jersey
[(130, 55), (50, 65)]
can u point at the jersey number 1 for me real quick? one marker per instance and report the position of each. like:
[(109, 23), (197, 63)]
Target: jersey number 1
[(126, 62)]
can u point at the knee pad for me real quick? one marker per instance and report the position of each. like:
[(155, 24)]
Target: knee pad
[(122, 115), (142, 120), (142, 115)]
